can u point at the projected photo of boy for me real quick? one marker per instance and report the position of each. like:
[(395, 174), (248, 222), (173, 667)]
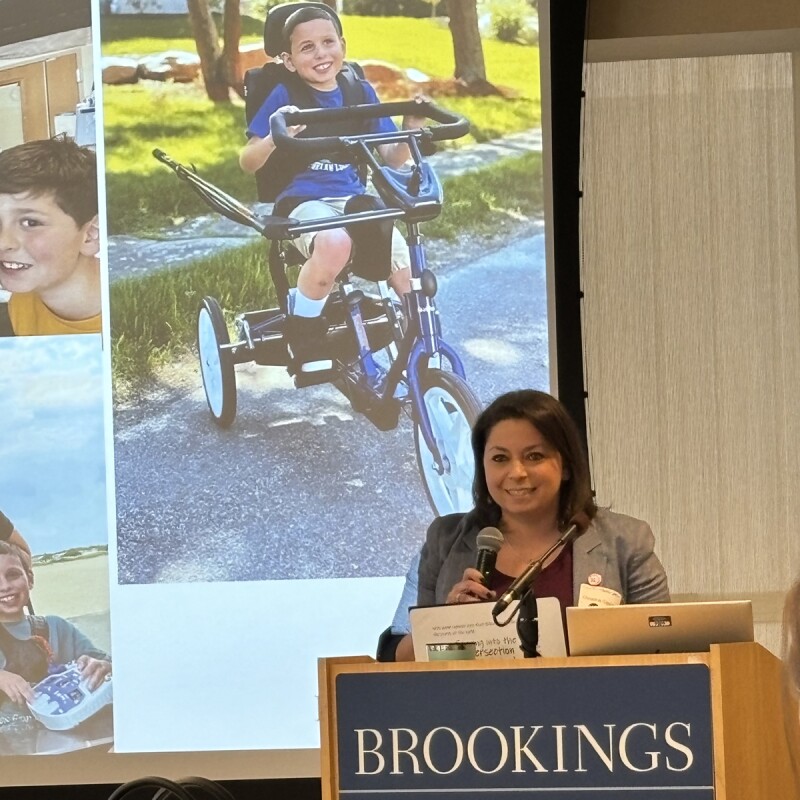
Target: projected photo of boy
[(54, 607), (49, 239), (302, 477)]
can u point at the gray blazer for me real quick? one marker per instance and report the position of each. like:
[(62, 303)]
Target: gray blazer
[(615, 547)]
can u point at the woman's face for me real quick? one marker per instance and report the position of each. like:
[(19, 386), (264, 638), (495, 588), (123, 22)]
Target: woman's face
[(523, 471), (14, 589)]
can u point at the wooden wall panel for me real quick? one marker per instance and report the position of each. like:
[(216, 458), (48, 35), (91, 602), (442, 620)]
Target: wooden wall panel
[(62, 85), (31, 78)]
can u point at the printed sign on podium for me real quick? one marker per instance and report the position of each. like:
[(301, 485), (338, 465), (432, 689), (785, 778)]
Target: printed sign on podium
[(694, 726), (487, 733)]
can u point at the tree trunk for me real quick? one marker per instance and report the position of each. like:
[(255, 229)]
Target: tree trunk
[(207, 42), (231, 35), (467, 47)]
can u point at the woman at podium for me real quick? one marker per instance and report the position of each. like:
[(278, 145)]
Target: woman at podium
[(791, 639), (531, 483), (791, 660)]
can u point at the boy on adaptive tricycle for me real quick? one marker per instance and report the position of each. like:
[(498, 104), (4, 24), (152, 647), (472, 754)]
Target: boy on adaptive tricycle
[(314, 51), (385, 359)]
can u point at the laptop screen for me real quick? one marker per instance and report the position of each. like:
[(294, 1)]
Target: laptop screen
[(658, 627)]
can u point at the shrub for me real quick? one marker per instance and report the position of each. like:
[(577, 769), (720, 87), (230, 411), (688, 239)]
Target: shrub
[(260, 7), (507, 27), (394, 8), (510, 20)]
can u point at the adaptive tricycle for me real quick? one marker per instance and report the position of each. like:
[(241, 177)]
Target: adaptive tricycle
[(390, 353)]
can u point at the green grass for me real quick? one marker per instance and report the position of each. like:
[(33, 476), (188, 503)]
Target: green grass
[(384, 38), (481, 201), (144, 34), (153, 317), (143, 196)]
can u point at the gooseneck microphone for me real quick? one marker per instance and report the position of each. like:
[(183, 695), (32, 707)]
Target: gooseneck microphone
[(577, 525), (489, 541)]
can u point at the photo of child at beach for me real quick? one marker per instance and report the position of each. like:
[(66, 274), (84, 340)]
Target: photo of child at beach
[(54, 607)]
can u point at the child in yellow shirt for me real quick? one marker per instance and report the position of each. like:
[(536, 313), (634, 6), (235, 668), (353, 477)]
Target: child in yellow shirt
[(49, 239)]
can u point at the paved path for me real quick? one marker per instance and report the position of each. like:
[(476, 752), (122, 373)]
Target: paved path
[(300, 486), (231, 502), (129, 256)]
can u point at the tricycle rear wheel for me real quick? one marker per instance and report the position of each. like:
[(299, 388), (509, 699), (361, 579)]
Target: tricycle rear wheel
[(216, 363)]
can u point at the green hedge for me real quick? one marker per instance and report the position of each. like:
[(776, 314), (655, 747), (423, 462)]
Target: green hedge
[(393, 8)]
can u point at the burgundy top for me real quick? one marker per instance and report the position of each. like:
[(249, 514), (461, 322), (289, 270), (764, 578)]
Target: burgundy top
[(555, 580)]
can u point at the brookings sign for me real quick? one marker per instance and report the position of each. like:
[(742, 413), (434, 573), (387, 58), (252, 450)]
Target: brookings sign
[(641, 731)]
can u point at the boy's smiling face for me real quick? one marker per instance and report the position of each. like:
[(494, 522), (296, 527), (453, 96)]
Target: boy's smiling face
[(317, 53), (41, 246)]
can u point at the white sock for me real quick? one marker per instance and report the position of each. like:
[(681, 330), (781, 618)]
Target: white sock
[(306, 307)]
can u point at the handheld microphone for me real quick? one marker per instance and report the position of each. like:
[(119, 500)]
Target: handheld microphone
[(578, 524), (489, 540)]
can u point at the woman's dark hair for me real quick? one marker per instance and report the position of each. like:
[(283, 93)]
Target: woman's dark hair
[(790, 646), (791, 637), (28, 658), (554, 423)]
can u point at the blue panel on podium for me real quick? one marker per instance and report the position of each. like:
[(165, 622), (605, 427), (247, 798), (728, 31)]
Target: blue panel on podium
[(638, 732)]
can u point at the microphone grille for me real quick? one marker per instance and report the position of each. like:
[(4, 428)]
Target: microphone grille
[(490, 539)]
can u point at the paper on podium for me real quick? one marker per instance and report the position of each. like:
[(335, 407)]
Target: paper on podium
[(473, 622)]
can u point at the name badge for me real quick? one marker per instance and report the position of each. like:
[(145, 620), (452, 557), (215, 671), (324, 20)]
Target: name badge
[(598, 596)]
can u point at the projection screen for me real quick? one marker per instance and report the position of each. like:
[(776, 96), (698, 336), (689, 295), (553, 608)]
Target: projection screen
[(213, 565)]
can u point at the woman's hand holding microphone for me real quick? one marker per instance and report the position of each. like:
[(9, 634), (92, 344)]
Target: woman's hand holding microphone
[(470, 589)]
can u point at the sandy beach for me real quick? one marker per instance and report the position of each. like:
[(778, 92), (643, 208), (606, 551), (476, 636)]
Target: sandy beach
[(77, 590)]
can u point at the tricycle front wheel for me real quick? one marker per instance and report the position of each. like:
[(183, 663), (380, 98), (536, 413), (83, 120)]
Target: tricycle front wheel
[(452, 408)]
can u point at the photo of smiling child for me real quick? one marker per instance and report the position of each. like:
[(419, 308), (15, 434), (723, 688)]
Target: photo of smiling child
[(54, 595), (49, 239), (31, 646)]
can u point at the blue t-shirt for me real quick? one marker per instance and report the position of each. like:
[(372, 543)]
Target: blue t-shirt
[(322, 178)]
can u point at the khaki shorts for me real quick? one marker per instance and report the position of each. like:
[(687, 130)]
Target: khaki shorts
[(322, 209)]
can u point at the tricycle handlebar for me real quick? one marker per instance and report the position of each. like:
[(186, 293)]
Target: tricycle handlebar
[(451, 126)]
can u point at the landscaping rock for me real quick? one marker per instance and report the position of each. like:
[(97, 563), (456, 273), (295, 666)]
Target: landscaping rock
[(118, 70), (390, 80), (176, 65), (250, 57)]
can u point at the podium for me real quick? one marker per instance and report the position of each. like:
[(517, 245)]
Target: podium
[(689, 726)]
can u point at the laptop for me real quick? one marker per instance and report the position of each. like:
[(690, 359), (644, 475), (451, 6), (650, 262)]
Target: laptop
[(658, 627)]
